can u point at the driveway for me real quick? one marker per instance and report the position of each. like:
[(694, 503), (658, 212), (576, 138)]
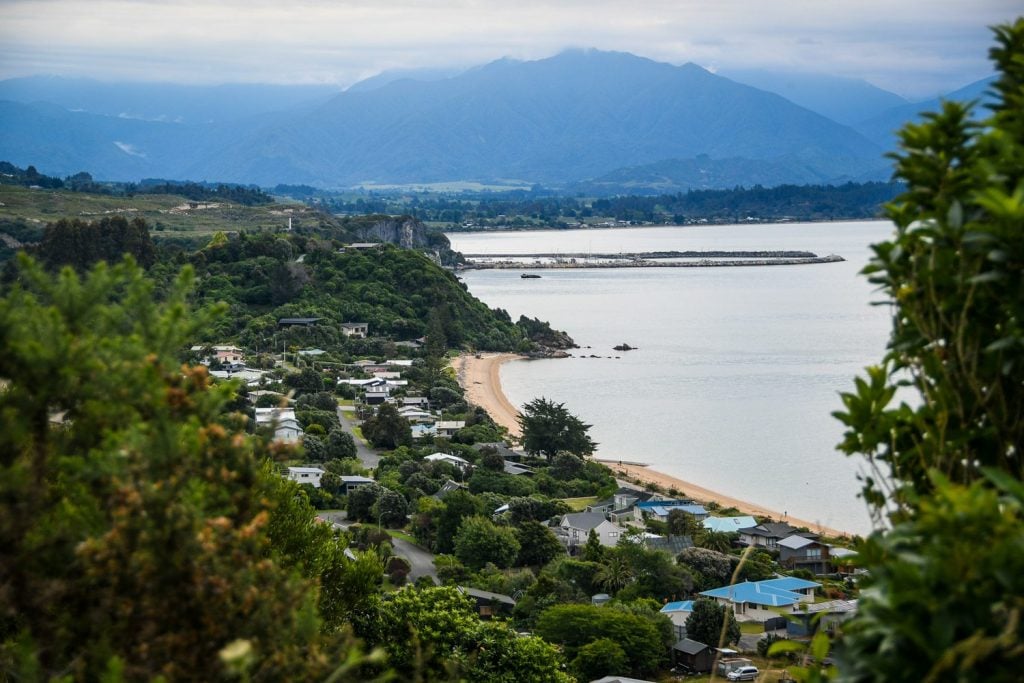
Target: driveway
[(369, 457), (421, 562)]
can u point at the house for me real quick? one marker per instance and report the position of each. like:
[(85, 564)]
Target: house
[(729, 525), (769, 534), (800, 552), (659, 509), (387, 374), (624, 500), (695, 655), (497, 447), (421, 402), (222, 352), (447, 488), (355, 330), (673, 545), (761, 600), (841, 560), (269, 416), (516, 469), (575, 527), (376, 394), (823, 616), (599, 599), (306, 475), (311, 352), (287, 430), (423, 431), (399, 362), (417, 416), (298, 322), (364, 245), (350, 483), (250, 377), (461, 463), (489, 604), (678, 612), (447, 428)]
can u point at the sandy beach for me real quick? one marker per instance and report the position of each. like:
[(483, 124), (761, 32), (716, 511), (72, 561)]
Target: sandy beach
[(479, 375)]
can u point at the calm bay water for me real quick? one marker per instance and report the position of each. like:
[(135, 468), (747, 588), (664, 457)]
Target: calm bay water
[(737, 370)]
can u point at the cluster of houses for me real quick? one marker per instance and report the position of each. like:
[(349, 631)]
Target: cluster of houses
[(230, 363)]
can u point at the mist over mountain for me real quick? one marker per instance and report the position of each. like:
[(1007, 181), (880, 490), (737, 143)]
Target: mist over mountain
[(583, 118)]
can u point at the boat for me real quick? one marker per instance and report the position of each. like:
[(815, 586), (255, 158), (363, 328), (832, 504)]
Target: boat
[(530, 276)]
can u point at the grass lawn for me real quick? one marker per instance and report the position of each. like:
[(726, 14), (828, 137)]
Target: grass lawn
[(398, 533), (358, 431), (750, 627), (579, 504)]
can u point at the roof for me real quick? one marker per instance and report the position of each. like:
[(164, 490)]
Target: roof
[(796, 542), (663, 510), (791, 583), (298, 321), (355, 479), (673, 544), (771, 530), (679, 606), (451, 424), (487, 595), (351, 326), (445, 457), (838, 553), (515, 468), (729, 525), (690, 647), (305, 470), (831, 607), (772, 593), (311, 352), (583, 520)]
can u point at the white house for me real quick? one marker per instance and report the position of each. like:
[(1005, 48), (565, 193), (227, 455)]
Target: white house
[(287, 430), (461, 463), (355, 330), (762, 600), (449, 427), (574, 529), (306, 475), (678, 613)]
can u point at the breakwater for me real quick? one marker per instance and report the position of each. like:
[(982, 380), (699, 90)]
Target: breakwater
[(668, 259)]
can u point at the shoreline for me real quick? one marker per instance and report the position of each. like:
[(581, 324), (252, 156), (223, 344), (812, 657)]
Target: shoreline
[(480, 377)]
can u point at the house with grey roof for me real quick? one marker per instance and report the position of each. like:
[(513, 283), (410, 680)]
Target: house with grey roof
[(574, 529), (769, 534), (801, 552), (823, 616)]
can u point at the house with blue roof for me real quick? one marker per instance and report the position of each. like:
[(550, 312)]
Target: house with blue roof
[(763, 600), (729, 525), (678, 612)]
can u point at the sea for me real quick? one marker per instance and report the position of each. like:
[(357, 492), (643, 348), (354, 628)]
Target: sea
[(736, 371)]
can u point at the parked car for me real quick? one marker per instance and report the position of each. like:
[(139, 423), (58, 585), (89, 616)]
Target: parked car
[(744, 673)]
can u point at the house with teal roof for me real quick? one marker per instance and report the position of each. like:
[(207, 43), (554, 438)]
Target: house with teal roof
[(729, 525), (762, 600)]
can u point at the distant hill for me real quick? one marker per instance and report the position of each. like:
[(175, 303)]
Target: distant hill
[(882, 128), (844, 100), (166, 102), (613, 119)]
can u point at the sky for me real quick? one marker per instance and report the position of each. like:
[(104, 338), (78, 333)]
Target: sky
[(916, 48)]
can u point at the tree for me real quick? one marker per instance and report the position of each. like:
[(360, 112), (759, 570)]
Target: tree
[(947, 580), (602, 657), (340, 445), (537, 545), (134, 535), (712, 567), (479, 541), (574, 626), (387, 429), (359, 506), (614, 574), (720, 541), (457, 506), (705, 624), (682, 523), (592, 550), (549, 428), (391, 508)]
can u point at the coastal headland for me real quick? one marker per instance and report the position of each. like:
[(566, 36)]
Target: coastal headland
[(480, 376)]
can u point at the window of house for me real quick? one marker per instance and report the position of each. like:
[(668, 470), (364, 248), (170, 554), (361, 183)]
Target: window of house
[(814, 552)]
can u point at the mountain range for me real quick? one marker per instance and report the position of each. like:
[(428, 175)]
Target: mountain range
[(583, 120)]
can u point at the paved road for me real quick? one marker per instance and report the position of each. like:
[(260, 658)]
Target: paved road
[(421, 562), (369, 457)]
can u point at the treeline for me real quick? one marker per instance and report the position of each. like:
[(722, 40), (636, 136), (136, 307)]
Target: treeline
[(84, 182), (543, 207)]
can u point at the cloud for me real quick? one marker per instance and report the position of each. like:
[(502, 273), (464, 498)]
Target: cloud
[(130, 150), (340, 41)]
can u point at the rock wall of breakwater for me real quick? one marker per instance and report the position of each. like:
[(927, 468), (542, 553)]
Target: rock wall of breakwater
[(650, 263)]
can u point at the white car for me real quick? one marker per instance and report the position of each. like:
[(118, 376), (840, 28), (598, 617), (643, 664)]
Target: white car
[(744, 673)]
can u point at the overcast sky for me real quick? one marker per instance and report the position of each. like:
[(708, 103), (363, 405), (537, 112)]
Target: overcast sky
[(916, 48)]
